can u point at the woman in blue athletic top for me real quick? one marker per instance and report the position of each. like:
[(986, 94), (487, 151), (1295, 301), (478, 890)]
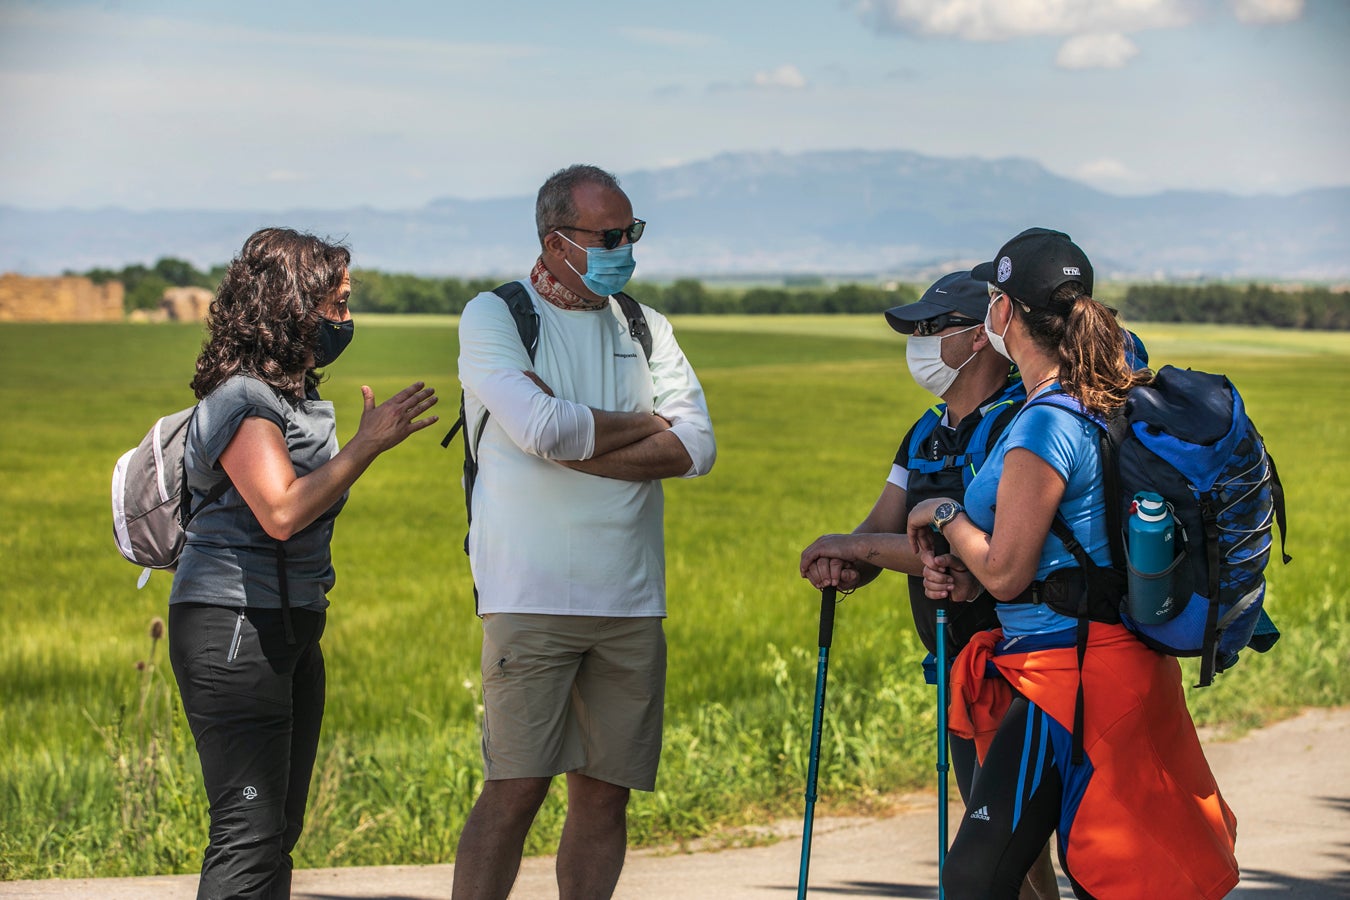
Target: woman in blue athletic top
[(1142, 772)]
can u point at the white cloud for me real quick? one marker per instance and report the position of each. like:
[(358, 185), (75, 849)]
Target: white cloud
[(995, 20), (1096, 51), (1105, 169), (667, 37), (785, 76), (1266, 12)]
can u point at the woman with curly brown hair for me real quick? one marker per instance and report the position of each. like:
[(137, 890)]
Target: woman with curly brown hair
[(249, 596), (1083, 733)]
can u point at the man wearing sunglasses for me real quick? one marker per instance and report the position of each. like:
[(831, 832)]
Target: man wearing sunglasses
[(566, 541), (949, 355)]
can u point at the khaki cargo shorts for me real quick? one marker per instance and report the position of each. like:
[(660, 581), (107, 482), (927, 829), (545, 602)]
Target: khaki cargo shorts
[(573, 694)]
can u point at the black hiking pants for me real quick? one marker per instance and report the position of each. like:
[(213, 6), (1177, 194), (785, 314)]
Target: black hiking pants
[(1012, 809), (254, 704)]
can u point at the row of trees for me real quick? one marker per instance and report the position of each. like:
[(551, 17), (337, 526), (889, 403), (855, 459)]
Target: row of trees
[(145, 285), (380, 292), (1255, 304)]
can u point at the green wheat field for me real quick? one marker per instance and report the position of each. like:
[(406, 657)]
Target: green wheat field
[(98, 776)]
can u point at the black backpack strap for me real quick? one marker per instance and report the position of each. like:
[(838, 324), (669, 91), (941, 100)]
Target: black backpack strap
[(1098, 601), (186, 512), (284, 589), (637, 322), (1277, 498), (517, 300), (454, 429)]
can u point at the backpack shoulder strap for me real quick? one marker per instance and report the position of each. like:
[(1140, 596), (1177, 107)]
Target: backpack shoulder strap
[(186, 512), (999, 413), (1110, 432), (517, 300), (637, 322), (923, 429)]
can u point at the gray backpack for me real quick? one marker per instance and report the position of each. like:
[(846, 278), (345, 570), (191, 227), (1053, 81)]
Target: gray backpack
[(151, 504)]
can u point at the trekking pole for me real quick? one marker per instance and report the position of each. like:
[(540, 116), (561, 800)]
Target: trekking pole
[(827, 596), (942, 701)]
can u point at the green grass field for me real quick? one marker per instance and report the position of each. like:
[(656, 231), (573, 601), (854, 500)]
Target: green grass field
[(97, 772)]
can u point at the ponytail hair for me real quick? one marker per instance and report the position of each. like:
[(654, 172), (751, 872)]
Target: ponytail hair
[(1090, 345)]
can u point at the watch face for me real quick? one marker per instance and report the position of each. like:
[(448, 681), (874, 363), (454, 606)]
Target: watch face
[(945, 511)]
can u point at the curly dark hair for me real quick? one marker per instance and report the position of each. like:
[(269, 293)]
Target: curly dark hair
[(264, 320)]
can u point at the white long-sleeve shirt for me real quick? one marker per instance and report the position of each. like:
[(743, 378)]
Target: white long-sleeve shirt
[(546, 538)]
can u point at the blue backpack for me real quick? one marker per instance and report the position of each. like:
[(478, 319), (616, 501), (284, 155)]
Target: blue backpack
[(1186, 436)]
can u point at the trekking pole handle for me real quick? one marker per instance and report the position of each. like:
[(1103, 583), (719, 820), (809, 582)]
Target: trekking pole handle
[(827, 601)]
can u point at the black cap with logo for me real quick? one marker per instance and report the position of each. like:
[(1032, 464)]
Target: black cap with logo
[(1036, 262)]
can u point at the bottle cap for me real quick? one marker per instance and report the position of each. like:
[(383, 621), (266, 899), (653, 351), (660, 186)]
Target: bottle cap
[(1150, 506)]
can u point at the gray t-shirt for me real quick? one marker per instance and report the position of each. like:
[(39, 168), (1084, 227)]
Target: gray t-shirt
[(228, 559)]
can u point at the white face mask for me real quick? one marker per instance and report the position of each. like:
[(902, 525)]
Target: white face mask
[(996, 339), (924, 356)]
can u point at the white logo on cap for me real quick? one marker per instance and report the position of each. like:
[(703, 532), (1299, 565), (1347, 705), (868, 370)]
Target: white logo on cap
[(1072, 270), (1004, 269), (250, 793)]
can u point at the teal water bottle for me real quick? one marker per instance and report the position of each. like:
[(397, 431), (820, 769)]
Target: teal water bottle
[(1152, 548)]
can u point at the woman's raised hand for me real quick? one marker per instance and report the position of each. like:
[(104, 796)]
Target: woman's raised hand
[(387, 424)]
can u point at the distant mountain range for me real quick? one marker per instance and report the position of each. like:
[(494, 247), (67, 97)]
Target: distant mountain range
[(839, 213)]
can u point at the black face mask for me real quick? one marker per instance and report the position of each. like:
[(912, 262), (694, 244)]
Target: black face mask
[(334, 336)]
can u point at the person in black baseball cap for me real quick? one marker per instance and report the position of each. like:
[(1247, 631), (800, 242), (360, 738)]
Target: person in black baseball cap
[(1033, 265), (949, 356), (1036, 507)]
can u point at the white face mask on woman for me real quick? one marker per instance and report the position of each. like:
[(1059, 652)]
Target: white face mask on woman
[(996, 339), (924, 356)]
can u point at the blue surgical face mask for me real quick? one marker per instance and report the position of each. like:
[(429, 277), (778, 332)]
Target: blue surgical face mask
[(334, 336), (607, 271)]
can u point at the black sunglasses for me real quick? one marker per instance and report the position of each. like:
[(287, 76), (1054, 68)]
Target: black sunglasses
[(611, 237), (929, 327)]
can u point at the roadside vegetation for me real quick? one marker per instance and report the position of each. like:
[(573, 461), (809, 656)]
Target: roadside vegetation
[(98, 776)]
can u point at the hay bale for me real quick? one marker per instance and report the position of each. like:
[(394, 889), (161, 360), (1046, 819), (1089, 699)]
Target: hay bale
[(186, 304), (64, 299)]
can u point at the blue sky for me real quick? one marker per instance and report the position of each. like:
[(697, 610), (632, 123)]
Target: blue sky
[(152, 104)]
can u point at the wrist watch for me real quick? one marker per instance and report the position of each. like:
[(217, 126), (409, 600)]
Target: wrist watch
[(946, 511)]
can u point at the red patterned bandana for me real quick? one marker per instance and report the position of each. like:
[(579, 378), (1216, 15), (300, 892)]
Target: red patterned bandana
[(557, 293)]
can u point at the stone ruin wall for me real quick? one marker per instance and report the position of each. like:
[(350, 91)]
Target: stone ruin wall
[(65, 299)]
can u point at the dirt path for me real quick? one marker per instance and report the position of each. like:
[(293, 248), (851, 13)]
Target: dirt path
[(1289, 785)]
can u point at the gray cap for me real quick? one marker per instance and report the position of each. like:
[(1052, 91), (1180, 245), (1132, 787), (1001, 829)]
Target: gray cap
[(956, 293)]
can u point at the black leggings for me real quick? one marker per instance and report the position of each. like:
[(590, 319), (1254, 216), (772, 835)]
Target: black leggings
[(255, 704), (1013, 808)]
